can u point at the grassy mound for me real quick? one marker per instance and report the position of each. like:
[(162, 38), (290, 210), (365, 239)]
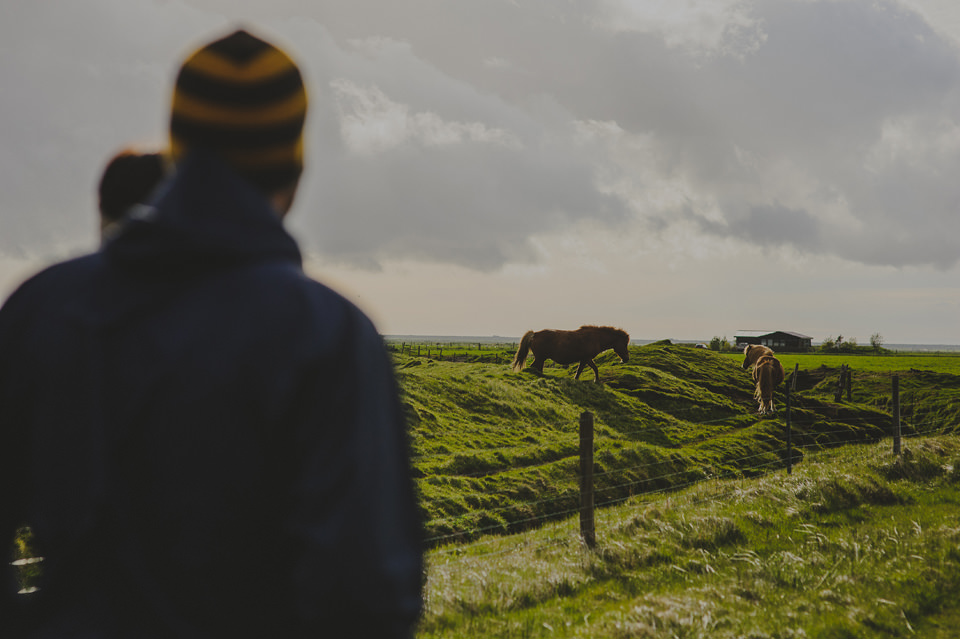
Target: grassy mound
[(497, 451), (854, 543)]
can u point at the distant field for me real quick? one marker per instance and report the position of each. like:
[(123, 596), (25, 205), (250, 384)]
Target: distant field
[(500, 350), (938, 363)]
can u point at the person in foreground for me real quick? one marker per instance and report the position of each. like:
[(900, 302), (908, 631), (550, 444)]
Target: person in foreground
[(204, 441)]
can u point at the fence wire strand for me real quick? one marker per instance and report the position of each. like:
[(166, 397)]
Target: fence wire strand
[(450, 547)]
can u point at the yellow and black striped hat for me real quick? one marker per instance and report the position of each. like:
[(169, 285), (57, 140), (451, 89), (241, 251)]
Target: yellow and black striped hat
[(244, 99)]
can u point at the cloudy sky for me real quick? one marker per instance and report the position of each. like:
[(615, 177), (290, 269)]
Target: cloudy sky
[(678, 168)]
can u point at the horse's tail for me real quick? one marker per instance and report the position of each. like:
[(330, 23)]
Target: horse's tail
[(521, 357), (777, 373), (769, 374), (764, 387)]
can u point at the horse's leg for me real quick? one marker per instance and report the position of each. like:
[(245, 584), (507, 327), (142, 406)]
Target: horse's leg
[(538, 363), (579, 370), (596, 371)]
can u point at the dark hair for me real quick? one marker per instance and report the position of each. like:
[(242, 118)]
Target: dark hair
[(128, 179)]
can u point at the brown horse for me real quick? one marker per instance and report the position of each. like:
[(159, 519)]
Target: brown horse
[(567, 347), (767, 373)]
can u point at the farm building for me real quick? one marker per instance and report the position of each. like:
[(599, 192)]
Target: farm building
[(777, 340)]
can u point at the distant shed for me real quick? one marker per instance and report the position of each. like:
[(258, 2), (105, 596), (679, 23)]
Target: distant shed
[(777, 340)]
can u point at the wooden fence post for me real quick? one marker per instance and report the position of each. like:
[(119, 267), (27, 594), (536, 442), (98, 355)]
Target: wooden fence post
[(896, 414), (789, 433), (789, 429), (792, 386), (838, 393), (587, 528)]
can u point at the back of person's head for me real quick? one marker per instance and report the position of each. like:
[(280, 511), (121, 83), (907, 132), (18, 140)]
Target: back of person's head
[(243, 99), (128, 179)]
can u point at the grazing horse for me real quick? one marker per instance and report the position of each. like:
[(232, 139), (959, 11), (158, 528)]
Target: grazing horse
[(767, 373), (567, 347)]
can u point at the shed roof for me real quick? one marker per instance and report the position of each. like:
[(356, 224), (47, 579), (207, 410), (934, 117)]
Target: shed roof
[(765, 333)]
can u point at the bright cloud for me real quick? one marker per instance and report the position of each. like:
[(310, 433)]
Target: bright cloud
[(699, 27), (372, 123)]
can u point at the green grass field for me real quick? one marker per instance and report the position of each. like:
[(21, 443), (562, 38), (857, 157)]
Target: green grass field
[(497, 451), (700, 531), (939, 363)]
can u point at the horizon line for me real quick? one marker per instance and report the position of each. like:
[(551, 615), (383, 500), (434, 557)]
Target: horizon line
[(450, 336)]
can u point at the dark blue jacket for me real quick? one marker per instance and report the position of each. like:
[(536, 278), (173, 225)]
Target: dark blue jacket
[(205, 442)]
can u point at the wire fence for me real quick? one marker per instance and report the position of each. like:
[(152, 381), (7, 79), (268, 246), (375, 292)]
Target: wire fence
[(491, 352), (615, 486), (568, 533)]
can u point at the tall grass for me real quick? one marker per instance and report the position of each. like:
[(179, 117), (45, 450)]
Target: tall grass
[(854, 543)]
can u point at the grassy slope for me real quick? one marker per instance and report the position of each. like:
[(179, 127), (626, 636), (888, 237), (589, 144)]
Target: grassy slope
[(853, 544), (497, 451)]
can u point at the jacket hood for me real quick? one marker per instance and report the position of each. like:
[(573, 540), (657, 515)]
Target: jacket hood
[(204, 217)]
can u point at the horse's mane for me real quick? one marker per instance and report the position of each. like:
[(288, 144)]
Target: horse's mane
[(590, 328), (753, 353)]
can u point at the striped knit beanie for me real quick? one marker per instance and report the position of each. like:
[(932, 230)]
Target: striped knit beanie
[(243, 99)]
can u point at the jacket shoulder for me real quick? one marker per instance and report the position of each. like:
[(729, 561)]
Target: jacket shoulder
[(283, 292), (53, 284)]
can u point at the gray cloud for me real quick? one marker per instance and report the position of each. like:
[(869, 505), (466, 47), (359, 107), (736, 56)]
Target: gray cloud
[(772, 225), (827, 126), (831, 126)]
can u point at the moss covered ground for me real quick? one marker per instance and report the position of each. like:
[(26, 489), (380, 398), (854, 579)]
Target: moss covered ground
[(497, 451)]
